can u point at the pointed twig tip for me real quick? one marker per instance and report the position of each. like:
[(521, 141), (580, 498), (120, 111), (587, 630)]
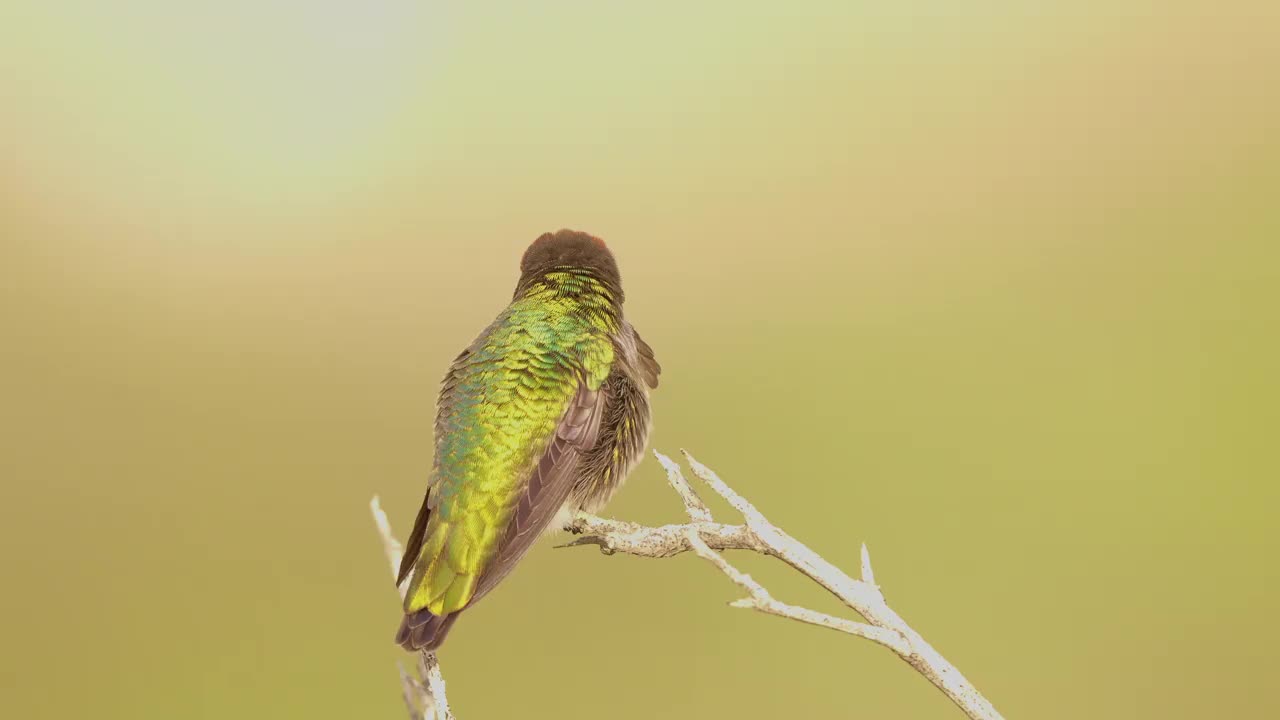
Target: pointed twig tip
[(693, 461), (868, 575)]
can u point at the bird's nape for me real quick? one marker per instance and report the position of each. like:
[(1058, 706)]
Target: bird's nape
[(569, 248)]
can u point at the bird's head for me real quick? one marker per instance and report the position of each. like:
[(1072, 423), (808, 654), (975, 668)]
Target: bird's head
[(569, 249)]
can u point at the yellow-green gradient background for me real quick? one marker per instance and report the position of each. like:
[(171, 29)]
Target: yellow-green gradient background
[(991, 286)]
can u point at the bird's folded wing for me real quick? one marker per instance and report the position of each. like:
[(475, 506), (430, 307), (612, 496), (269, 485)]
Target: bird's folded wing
[(549, 484)]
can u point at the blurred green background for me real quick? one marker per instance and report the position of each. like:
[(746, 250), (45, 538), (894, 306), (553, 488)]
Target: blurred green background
[(991, 286)]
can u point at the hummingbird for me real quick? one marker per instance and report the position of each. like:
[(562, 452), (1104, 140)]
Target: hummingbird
[(544, 415)]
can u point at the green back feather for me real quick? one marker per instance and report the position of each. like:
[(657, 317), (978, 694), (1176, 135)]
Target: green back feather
[(499, 408)]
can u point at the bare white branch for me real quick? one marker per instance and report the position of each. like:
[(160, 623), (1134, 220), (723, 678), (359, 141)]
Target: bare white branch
[(693, 505), (759, 599), (657, 542), (868, 576), (433, 680), (705, 538), (390, 545), (749, 512), (426, 697)]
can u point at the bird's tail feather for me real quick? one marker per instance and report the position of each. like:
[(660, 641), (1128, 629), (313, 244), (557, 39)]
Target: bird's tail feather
[(422, 630)]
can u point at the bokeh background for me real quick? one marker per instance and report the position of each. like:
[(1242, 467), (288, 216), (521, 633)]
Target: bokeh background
[(991, 286)]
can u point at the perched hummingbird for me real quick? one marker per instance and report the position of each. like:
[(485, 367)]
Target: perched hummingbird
[(543, 415)]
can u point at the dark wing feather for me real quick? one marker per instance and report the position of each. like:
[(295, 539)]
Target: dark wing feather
[(424, 513), (648, 364), (549, 484), (415, 541)]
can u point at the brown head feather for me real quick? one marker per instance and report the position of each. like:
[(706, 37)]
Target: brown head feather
[(568, 249)]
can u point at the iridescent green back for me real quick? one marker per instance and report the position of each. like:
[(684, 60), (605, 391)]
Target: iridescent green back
[(500, 406)]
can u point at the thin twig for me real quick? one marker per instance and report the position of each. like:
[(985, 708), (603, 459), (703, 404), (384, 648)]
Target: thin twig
[(411, 689), (759, 599), (390, 545), (433, 680), (425, 697), (693, 505)]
